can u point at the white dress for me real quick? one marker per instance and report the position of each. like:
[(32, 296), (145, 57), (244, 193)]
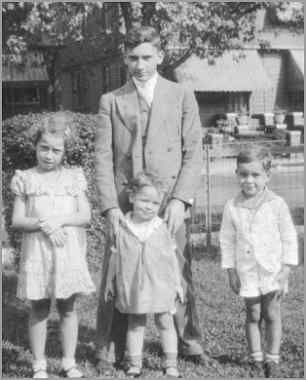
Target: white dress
[(45, 270), (147, 273)]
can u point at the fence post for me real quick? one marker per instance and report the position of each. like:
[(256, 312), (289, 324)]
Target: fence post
[(208, 191)]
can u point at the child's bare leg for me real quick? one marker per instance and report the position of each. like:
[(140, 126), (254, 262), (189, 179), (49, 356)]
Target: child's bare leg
[(252, 327), (168, 335), (135, 338), (38, 327), (69, 330), (272, 316)]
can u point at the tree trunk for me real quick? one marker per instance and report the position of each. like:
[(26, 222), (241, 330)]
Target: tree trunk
[(148, 10), (127, 14)]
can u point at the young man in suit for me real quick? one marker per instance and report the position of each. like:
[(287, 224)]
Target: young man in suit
[(148, 124)]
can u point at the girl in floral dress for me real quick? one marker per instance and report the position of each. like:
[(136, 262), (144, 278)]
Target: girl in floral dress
[(51, 209)]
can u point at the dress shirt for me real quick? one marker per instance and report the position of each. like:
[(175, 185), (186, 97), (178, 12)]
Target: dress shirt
[(146, 89)]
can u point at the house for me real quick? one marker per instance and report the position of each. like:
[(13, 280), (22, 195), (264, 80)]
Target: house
[(92, 67), (267, 74), (25, 87)]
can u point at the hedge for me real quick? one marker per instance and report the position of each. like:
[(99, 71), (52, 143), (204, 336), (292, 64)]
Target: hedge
[(19, 153)]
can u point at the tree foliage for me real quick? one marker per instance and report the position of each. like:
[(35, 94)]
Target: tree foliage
[(198, 27), (202, 28)]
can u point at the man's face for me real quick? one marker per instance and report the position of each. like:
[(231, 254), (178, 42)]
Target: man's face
[(142, 61)]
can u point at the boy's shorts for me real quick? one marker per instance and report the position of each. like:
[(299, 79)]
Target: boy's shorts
[(257, 281)]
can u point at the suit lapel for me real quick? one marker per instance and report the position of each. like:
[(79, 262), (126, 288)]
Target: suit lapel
[(158, 110), (128, 107)]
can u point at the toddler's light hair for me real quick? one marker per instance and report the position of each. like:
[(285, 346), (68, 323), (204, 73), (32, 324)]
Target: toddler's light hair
[(256, 153), (57, 124), (143, 179)]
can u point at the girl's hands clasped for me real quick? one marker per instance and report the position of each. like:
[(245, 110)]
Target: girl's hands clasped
[(52, 227)]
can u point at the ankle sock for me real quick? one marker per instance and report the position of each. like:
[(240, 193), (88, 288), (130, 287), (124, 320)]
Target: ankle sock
[(68, 363), (272, 358), (170, 359), (40, 364), (135, 361), (257, 356)]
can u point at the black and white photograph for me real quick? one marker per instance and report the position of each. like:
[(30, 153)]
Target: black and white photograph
[(153, 189)]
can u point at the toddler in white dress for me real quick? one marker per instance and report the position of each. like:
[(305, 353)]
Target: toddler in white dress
[(146, 273)]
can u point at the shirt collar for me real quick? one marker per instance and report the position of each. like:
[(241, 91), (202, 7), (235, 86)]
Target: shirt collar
[(151, 83), (255, 202)]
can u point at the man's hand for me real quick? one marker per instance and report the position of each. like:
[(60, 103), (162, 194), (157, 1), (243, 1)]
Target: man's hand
[(282, 278), (114, 217), (234, 280), (174, 215)]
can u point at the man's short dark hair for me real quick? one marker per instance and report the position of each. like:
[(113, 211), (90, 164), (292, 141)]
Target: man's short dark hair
[(141, 34)]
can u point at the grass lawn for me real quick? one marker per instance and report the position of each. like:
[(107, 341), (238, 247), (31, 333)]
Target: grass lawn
[(221, 318)]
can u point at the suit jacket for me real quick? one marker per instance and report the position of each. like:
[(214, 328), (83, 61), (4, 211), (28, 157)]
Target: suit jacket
[(173, 148)]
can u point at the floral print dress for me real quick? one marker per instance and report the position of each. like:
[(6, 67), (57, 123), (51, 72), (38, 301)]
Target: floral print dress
[(45, 270)]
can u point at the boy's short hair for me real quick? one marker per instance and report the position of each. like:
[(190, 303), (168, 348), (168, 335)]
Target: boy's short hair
[(256, 153), (141, 34)]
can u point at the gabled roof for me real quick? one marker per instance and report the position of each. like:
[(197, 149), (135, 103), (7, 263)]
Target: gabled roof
[(297, 67), (32, 69)]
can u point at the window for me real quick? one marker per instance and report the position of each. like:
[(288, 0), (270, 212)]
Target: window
[(239, 101), (113, 76), (296, 100), (110, 15), (23, 95), (79, 90)]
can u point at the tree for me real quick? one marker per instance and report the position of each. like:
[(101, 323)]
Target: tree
[(202, 28)]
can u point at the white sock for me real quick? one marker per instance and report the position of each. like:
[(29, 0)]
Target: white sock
[(257, 356), (272, 358), (68, 363), (40, 364)]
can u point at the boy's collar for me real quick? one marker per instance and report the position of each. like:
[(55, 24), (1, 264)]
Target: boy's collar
[(253, 203)]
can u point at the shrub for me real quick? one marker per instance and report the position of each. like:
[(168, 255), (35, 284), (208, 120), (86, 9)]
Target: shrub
[(19, 153)]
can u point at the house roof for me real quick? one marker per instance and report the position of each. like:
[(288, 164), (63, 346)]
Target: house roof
[(297, 69), (229, 73), (279, 39), (32, 69), (298, 58)]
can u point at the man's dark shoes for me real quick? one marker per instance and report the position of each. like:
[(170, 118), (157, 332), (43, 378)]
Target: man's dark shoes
[(272, 369), (196, 359), (104, 367), (256, 369)]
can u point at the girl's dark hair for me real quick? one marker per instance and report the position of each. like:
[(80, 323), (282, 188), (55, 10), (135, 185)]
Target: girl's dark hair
[(142, 180), (141, 34), (256, 153), (57, 124)]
